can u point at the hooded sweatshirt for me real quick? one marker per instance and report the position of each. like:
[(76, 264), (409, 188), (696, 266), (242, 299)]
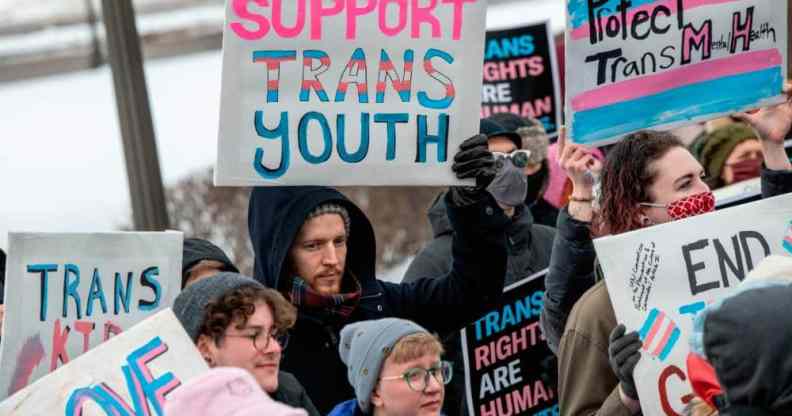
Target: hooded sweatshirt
[(747, 341), (439, 304)]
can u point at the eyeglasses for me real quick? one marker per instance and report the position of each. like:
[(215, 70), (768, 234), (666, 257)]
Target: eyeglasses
[(518, 157), (417, 378), (261, 339)]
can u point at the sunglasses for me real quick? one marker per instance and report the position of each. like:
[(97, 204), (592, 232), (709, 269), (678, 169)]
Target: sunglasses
[(519, 158)]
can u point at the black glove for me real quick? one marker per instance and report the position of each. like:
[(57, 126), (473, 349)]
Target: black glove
[(623, 354), (474, 160)]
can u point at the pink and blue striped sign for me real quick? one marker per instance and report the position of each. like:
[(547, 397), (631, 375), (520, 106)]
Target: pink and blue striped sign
[(640, 64)]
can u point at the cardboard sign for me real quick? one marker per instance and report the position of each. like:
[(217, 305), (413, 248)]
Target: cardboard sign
[(637, 64), (521, 75), (659, 278), (67, 293), (130, 375), (339, 92), (503, 352)]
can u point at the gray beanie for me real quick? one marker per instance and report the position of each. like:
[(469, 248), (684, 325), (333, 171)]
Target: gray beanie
[(331, 208), (190, 305), (365, 345)]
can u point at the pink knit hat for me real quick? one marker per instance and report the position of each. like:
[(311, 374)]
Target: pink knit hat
[(555, 186), (225, 391)]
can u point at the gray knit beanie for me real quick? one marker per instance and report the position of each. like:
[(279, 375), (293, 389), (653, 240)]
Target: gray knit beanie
[(364, 347), (332, 208), (190, 305)]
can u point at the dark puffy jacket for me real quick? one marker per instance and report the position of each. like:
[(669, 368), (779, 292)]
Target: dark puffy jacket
[(440, 304), (572, 266), (291, 392), (529, 248)]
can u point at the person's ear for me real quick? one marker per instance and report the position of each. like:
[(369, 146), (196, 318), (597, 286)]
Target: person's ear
[(376, 398), (208, 349), (644, 219)]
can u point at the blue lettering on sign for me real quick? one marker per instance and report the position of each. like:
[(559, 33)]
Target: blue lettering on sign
[(510, 315)]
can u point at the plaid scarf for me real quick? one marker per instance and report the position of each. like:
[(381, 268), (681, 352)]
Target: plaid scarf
[(338, 306)]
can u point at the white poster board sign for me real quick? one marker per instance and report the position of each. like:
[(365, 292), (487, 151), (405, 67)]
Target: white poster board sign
[(67, 293), (129, 375), (640, 64), (659, 278), (339, 92)]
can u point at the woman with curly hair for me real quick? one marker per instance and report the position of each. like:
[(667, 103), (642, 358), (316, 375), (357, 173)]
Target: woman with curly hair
[(237, 322), (648, 178)]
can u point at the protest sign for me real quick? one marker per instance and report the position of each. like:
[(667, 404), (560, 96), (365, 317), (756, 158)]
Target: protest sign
[(521, 75), (636, 64), (503, 353), (130, 375), (660, 277), (334, 92), (67, 293)]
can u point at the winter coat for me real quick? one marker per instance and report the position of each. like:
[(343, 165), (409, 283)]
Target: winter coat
[(544, 213), (347, 408), (587, 385), (529, 247), (291, 392), (439, 304), (572, 265)]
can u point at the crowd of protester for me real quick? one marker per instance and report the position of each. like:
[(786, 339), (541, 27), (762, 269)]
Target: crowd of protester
[(314, 332)]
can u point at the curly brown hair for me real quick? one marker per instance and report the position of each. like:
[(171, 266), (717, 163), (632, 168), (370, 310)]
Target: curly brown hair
[(238, 305), (626, 178)]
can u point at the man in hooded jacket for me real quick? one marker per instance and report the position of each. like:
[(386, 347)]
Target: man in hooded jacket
[(317, 248)]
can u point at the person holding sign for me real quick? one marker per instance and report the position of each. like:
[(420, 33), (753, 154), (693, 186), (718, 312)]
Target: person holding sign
[(317, 248), (529, 243), (649, 178), (236, 322), (395, 368)]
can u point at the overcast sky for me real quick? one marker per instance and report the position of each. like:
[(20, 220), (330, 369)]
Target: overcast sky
[(61, 164)]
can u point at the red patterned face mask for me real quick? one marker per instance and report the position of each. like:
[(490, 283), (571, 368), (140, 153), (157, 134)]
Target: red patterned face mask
[(689, 206)]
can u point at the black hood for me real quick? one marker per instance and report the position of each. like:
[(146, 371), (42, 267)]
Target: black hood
[(747, 340), (438, 217), (197, 249), (275, 216)]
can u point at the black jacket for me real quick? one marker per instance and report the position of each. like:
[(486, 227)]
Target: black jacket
[(746, 339), (275, 217), (291, 392), (572, 266), (529, 246)]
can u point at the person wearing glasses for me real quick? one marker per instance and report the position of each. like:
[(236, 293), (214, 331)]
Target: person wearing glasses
[(519, 151), (317, 248), (237, 322), (395, 368)]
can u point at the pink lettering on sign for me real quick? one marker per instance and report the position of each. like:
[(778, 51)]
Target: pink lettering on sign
[(241, 10), (318, 12), (354, 12), (252, 22)]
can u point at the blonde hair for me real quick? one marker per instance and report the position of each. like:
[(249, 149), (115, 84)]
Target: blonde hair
[(698, 407), (415, 346)]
